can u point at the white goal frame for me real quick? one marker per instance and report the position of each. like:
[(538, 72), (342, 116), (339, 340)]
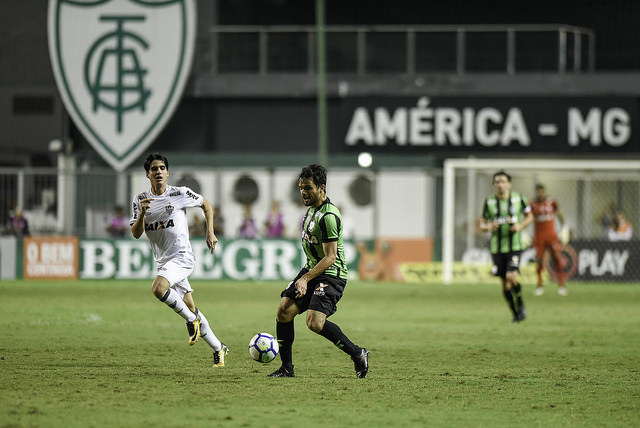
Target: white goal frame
[(472, 165)]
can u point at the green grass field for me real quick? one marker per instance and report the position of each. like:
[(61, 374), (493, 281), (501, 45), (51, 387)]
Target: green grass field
[(95, 354)]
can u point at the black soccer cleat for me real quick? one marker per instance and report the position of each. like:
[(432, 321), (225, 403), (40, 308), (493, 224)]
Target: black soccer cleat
[(361, 363), (522, 314), (283, 372)]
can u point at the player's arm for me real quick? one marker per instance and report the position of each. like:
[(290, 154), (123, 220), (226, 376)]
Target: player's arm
[(485, 224), (560, 215), (528, 219), (138, 227), (330, 255), (210, 237)]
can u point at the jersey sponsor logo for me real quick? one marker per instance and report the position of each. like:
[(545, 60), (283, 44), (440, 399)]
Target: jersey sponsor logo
[(120, 67), (506, 220), (174, 194), (543, 218), (158, 225), (310, 238), (190, 194), (515, 260), (319, 291)]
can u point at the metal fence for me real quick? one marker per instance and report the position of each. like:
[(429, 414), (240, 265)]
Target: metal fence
[(55, 201), (70, 200), (366, 50)]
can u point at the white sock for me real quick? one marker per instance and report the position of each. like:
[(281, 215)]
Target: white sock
[(207, 334), (173, 300)]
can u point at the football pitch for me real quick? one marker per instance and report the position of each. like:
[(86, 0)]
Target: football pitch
[(107, 353)]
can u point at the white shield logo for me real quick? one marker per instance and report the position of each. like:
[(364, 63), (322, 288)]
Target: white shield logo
[(120, 67)]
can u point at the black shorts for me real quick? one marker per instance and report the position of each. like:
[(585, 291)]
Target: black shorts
[(507, 262), (323, 293)]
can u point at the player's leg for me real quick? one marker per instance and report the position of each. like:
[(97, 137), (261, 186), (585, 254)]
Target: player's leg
[(193, 326), (161, 288), (327, 293), (559, 262), (170, 287), (219, 348), (513, 269), (289, 307), (516, 292), (539, 246), (500, 270), (285, 333), (508, 296), (318, 323)]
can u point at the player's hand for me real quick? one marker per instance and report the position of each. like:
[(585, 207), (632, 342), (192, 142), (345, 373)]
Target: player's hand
[(565, 235), (144, 205), (301, 287), (211, 241)]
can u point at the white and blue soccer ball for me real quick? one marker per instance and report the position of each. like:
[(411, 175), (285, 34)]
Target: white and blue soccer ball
[(263, 347)]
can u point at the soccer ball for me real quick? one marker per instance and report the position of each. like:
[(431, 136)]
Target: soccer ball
[(263, 347)]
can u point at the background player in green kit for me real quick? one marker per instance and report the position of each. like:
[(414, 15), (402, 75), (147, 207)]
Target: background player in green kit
[(320, 284), (505, 215)]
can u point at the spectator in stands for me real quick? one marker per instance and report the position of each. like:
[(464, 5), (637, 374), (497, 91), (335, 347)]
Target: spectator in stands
[(197, 226), (621, 229), (606, 218), (248, 228), (218, 221), (119, 224), (18, 225), (274, 225)]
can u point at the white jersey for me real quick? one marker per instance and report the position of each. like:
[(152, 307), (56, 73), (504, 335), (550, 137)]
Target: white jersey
[(165, 222)]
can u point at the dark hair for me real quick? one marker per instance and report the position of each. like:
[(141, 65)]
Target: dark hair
[(314, 172), (152, 157), (494, 175), (539, 186)]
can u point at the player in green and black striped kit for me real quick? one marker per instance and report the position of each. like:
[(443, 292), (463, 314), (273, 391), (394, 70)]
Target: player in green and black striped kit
[(320, 284), (505, 215)]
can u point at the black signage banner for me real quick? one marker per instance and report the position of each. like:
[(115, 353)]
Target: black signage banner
[(600, 261), (476, 125)]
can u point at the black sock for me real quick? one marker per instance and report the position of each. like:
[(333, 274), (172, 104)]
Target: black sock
[(517, 290), (333, 333), (285, 333), (509, 298)]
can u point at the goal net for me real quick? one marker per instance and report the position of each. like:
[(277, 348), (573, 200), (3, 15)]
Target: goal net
[(589, 194)]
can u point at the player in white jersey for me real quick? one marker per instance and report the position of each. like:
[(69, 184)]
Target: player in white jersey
[(161, 214)]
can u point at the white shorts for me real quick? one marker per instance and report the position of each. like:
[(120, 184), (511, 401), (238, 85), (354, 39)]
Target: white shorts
[(177, 272)]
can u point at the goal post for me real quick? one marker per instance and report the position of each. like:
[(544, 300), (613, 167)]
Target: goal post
[(584, 189)]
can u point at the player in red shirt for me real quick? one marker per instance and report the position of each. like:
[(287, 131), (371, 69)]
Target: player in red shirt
[(545, 210)]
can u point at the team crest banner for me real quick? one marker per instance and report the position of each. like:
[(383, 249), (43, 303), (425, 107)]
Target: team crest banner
[(120, 67)]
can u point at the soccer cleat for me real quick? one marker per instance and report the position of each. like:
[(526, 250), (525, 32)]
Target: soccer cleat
[(361, 363), (218, 356), (563, 291), (522, 314), (539, 291), (283, 372), (194, 331)]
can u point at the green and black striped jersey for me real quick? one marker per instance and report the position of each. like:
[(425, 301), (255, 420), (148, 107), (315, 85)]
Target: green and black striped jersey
[(323, 224), (506, 212)]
